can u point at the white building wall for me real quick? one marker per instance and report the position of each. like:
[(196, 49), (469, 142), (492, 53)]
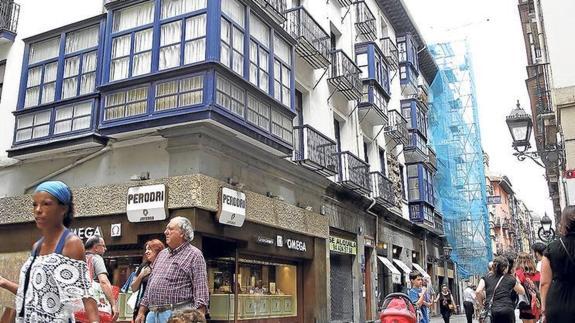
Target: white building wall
[(558, 25)]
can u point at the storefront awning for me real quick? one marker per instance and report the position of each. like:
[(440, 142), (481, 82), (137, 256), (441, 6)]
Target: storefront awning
[(418, 268), (395, 274), (405, 268)]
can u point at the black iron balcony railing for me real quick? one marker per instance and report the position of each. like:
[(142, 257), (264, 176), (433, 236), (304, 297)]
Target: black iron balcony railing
[(382, 189), (396, 128), (313, 42), (432, 158), (353, 172), (365, 21), (390, 52), (344, 75), (9, 14), (345, 3), (275, 8), (315, 151)]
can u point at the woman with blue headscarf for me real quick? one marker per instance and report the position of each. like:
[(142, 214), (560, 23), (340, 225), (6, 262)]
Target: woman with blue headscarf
[(53, 281)]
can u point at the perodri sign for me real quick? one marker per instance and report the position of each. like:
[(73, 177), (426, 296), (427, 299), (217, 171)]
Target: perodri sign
[(232, 207), (147, 203)]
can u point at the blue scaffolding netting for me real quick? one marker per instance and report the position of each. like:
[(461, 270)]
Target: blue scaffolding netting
[(460, 178)]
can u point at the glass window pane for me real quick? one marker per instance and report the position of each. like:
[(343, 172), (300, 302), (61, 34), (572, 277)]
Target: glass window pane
[(167, 88), (69, 87), (171, 8), (121, 46), (142, 63), (225, 54), (25, 121), (143, 40), (171, 33), (195, 51), (32, 96), (238, 40), (195, 27), (41, 131), (282, 49), (115, 99), (165, 103), (25, 134), (133, 16), (71, 66), (89, 62), (48, 92), (119, 69), (169, 57), (50, 71), (235, 10), (62, 126), (88, 83), (82, 39), (34, 76), (42, 118), (238, 60), (259, 30), (44, 50), (225, 31), (83, 109), (81, 123)]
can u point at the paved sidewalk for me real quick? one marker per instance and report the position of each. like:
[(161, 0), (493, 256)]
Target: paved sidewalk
[(460, 318)]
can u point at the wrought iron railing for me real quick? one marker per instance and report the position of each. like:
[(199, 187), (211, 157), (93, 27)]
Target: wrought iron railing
[(315, 151), (353, 172), (397, 127), (382, 189), (345, 3), (275, 8), (9, 14), (313, 42), (365, 21), (345, 75), (389, 49)]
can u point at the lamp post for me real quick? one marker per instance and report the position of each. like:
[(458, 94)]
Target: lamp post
[(546, 232), (446, 255)]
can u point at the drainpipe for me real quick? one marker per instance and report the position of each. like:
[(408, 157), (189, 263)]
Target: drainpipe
[(70, 166), (368, 210)]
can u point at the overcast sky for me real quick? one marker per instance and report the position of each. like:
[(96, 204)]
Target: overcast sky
[(493, 30)]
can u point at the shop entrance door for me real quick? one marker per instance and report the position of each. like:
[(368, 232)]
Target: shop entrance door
[(341, 283), (367, 282)]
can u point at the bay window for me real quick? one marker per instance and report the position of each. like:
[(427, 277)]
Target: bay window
[(126, 103), (232, 35), (73, 117), (179, 93), (80, 62), (42, 71), (282, 71), (259, 53), (32, 126)]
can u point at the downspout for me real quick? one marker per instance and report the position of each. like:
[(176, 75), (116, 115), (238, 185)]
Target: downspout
[(70, 166), (368, 210)]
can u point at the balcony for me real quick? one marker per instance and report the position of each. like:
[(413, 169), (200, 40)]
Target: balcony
[(408, 64), (344, 75), (382, 189), (353, 173), (9, 14), (396, 128), (390, 52), (372, 110), (373, 65), (312, 41), (365, 21), (416, 151), (315, 151), (432, 158), (274, 8)]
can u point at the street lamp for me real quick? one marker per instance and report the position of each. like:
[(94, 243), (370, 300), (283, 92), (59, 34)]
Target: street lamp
[(546, 232), (520, 126)]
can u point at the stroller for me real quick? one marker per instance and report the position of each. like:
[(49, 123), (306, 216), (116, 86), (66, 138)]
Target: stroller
[(398, 308)]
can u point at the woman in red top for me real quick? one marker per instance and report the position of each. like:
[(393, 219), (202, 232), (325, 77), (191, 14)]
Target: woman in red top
[(529, 277)]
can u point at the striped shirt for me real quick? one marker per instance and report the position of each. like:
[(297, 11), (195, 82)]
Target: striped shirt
[(178, 276)]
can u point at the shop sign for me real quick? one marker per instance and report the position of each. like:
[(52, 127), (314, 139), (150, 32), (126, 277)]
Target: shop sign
[(265, 240), (369, 242), (147, 203), (116, 230), (342, 245), (232, 207), (279, 241), (493, 199), (87, 232), (296, 245)]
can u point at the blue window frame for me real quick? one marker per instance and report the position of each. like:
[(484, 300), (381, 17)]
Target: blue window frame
[(178, 93), (32, 126), (80, 62), (282, 71), (415, 115), (42, 71), (233, 35), (259, 50), (371, 61), (420, 184), (126, 103)]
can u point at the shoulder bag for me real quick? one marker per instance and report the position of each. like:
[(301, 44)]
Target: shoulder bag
[(486, 316)]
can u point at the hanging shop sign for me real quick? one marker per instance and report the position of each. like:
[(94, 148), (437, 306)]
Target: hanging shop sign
[(232, 207), (494, 199), (147, 203), (342, 245)]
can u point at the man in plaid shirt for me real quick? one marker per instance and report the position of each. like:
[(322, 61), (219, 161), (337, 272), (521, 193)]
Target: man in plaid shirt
[(179, 278)]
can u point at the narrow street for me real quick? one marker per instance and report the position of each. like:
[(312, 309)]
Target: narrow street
[(460, 318)]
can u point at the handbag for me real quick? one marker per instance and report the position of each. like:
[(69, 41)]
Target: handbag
[(486, 316)]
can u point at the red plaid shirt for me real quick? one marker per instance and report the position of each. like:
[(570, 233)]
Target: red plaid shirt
[(177, 276)]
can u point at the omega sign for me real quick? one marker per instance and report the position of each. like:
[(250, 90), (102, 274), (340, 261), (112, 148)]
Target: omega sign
[(232, 207), (146, 203), (296, 245)]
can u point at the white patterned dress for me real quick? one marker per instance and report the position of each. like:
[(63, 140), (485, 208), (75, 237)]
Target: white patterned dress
[(56, 287)]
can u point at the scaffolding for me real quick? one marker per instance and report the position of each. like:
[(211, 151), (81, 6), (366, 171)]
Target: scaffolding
[(460, 179)]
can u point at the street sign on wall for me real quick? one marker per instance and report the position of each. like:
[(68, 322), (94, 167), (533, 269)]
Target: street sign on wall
[(494, 199)]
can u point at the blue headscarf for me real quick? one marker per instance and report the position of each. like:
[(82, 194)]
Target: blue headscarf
[(57, 189)]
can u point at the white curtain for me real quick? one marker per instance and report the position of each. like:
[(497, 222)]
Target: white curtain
[(238, 57), (170, 55), (226, 36), (259, 30), (63, 122), (82, 39), (263, 70), (34, 76), (120, 49), (142, 45), (70, 84), (44, 50), (282, 50), (195, 50), (49, 88), (235, 10), (82, 116), (88, 79), (41, 124), (171, 8), (134, 16)]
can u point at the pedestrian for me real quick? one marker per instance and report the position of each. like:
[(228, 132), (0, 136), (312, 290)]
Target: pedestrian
[(53, 281), (498, 287), (95, 249), (557, 268), (446, 303), (469, 303), (152, 249), (179, 279), (417, 294), (527, 274), (538, 248), (430, 291), (187, 316)]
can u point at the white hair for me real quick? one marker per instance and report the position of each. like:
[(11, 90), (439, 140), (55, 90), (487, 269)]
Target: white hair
[(186, 227)]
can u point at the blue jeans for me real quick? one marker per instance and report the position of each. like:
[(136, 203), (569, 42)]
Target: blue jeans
[(158, 317)]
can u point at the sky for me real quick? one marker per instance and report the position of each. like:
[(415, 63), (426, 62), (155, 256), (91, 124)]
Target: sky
[(493, 30)]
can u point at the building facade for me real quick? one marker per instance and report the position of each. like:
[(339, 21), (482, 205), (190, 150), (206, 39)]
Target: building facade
[(312, 114)]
